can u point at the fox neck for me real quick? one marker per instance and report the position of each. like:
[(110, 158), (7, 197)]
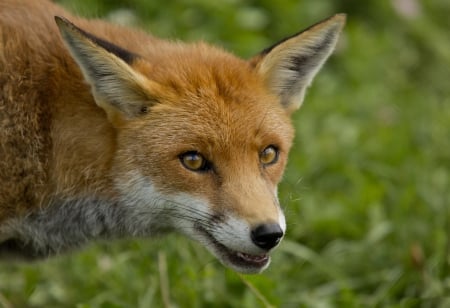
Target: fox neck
[(66, 224), (82, 155)]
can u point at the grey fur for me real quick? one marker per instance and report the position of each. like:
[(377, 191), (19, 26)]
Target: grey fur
[(70, 224)]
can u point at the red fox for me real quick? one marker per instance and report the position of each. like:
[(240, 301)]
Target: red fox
[(107, 132)]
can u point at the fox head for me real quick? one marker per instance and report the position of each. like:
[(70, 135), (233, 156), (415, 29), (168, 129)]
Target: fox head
[(202, 137)]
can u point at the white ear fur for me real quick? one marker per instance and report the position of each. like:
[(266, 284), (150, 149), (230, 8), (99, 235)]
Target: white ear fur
[(289, 66), (117, 88)]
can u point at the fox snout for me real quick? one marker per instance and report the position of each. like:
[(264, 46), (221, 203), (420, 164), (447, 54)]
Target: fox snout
[(267, 236), (241, 234)]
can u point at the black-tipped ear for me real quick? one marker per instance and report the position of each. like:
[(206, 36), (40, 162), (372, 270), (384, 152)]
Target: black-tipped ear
[(116, 86), (127, 56), (290, 65)]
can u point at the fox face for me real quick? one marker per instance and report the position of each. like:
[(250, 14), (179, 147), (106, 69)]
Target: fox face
[(224, 159), (199, 141), (213, 159)]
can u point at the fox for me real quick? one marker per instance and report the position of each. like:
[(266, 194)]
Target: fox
[(107, 132)]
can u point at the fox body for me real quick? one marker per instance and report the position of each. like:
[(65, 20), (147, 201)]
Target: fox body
[(107, 132)]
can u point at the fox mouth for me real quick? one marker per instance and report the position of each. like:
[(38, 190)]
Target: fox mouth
[(237, 260)]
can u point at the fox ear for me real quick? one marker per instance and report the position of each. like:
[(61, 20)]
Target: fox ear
[(117, 88), (290, 65)]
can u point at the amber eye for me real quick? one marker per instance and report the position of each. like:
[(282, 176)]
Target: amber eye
[(194, 161), (269, 155)]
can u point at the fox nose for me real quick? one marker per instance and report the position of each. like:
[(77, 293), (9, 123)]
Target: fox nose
[(267, 236)]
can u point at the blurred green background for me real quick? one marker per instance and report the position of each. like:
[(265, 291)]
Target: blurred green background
[(366, 192)]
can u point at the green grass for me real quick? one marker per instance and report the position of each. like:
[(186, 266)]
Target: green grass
[(366, 192)]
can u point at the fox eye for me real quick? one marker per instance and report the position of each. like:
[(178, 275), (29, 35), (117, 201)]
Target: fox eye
[(194, 161), (269, 155)]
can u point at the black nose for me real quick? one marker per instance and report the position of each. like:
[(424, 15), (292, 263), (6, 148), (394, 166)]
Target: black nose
[(267, 236)]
